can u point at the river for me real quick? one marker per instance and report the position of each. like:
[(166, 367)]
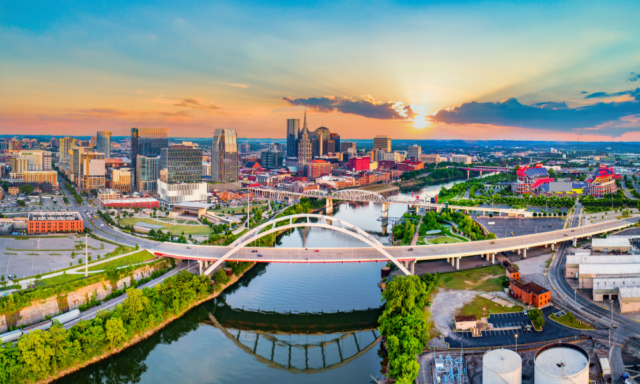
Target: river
[(279, 324)]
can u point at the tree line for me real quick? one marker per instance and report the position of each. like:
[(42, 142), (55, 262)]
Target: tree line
[(42, 354), (402, 324)]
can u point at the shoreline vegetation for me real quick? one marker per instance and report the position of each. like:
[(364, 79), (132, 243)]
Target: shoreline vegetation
[(45, 356)]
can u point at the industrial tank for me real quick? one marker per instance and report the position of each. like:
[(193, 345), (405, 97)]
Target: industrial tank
[(501, 366), (561, 363)]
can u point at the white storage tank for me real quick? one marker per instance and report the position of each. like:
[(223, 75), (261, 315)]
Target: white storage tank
[(501, 366), (561, 363)]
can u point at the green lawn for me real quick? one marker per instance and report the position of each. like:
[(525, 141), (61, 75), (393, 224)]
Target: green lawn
[(235, 210), (58, 280), (481, 307), (175, 229), (445, 240), (135, 258), (564, 320), (487, 279)]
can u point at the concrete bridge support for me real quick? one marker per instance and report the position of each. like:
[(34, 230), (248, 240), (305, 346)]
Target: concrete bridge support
[(200, 267), (413, 267), (524, 255), (575, 241), (453, 261), (458, 263), (467, 174), (552, 245), (493, 258), (329, 206), (385, 210)]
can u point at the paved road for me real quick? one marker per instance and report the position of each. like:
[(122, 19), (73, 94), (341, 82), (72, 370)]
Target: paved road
[(425, 252), (623, 328)]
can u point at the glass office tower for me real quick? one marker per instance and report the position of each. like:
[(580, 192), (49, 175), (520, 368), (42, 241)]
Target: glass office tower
[(224, 156)]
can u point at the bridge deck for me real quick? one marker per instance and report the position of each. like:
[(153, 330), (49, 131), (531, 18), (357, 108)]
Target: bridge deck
[(423, 252)]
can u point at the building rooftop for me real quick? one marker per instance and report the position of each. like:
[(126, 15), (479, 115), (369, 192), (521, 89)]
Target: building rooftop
[(603, 259), (466, 318), (54, 216), (627, 292), (609, 269), (616, 282), (610, 242), (530, 287)]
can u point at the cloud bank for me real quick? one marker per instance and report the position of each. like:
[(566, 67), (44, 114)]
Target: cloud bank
[(546, 115), (366, 108)]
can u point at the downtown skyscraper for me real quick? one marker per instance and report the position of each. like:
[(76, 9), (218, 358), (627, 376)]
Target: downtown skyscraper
[(224, 156), (104, 143), (146, 142), (293, 131)]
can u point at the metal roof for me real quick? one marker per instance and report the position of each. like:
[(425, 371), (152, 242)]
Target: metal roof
[(626, 292), (610, 242), (609, 269), (604, 259), (616, 282)]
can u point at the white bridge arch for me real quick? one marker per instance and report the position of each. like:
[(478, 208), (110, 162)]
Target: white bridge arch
[(344, 227)]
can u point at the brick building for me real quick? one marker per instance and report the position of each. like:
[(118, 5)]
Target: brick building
[(318, 168), (53, 222), (530, 293)]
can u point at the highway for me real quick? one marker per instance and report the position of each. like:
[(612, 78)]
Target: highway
[(422, 252)]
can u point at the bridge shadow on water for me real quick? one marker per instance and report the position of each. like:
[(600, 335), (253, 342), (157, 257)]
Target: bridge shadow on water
[(295, 342)]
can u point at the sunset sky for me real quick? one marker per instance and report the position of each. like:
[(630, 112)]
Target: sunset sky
[(519, 70)]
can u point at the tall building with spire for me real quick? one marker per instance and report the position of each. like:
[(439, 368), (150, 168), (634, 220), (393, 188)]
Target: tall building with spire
[(304, 146)]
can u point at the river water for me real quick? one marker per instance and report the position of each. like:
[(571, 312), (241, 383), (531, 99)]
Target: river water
[(279, 324)]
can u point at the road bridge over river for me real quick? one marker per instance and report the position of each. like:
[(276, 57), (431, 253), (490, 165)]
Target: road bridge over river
[(211, 257), (364, 196)]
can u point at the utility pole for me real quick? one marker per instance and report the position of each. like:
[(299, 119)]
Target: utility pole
[(86, 255)]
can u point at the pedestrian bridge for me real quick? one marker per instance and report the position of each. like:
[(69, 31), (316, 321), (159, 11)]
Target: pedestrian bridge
[(364, 196), (211, 257)]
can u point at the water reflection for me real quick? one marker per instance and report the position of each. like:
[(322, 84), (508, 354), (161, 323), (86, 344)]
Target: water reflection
[(329, 335)]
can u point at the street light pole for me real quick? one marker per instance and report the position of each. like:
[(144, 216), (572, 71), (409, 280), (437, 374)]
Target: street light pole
[(516, 343)]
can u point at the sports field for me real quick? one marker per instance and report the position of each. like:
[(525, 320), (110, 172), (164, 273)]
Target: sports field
[(193, 229)]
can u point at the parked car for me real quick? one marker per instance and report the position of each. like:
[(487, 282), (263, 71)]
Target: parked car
[(317, 250), (254, 251)]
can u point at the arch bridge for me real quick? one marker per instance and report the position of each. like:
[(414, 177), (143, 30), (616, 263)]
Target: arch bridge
[(361, 195), (305, 220)]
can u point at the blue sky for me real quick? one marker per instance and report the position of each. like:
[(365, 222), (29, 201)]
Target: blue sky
[(454, 69)]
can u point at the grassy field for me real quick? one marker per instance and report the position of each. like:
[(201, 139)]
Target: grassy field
[(235, 210), (175, 229), (135, 258), (564, 320), (481, 307), (445, 240), (58, 280), (487, 279)]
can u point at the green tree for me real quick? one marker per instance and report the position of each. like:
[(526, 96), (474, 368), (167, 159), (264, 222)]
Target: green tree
[(115, 332), (26, 189), (35, 354), (60, 345)]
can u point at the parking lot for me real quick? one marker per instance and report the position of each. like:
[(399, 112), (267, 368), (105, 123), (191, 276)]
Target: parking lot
[(497, 337), (27, 256), (504, 227)]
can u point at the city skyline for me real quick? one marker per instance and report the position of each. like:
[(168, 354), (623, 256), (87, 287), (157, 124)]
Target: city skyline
[(538, 71)]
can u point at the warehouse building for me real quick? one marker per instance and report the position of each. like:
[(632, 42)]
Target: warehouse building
[(573, 263), (611, 244)]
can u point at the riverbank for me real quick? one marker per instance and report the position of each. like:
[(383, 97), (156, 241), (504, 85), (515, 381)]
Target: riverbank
[(144, 335)]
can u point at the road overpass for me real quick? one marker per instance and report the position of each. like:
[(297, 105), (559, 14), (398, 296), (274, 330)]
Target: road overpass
[(211, 257), (364, 196)]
